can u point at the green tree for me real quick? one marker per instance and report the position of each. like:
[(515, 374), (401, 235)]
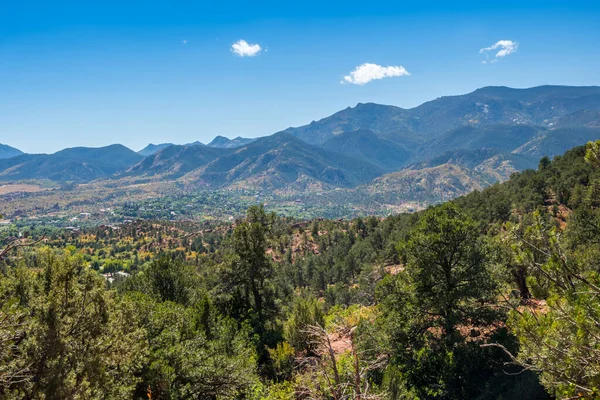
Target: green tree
[(193, 353), (435, 311), (305, 312), (315, 229), (14, 323), (592, 153), (247, 286), (77, 339), (446, 262), (561, 341), (168, 280)]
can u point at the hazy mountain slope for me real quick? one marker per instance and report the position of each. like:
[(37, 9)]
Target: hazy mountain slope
[(553, 142), (537, 93), (7, 152), (501, 166), (501, 105), (78, 164), (226, 143), (112, 158), (504, 138), (175, 161), (434, 184), (281, 160), (469, 158), (367, 146), (153, 149), (491, 163), (486, 106), (579, 118), (448, 113), (380, 119)]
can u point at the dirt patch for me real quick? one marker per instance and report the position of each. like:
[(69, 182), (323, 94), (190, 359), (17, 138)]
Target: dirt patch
[(340, 343), (394, 269), (20, 188), (535, 306)]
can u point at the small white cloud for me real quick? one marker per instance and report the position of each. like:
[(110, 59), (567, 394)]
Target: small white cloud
[(504, 47), (243, 48), (367, 72)]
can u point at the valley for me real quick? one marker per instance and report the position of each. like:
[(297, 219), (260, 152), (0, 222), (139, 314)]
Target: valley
[(278, 200), (367, 159)]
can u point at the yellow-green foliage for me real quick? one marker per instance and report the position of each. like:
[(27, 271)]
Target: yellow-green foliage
[(274, 391), (282, 358), (592, 154), (305, 312), (348, 317)]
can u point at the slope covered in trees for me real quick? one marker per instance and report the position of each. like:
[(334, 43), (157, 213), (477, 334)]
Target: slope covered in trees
[(492, 296)]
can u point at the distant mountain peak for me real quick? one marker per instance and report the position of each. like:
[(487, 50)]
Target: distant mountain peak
[(219, 141), (369, 104), (7, 151), (226, 143), (373, 106), (153, 149)]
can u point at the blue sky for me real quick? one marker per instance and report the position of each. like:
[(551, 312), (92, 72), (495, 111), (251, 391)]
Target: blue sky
[(92, 73)]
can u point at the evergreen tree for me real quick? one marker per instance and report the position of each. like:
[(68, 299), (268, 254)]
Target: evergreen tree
[(247, 278), (435, 311), (77, 340)]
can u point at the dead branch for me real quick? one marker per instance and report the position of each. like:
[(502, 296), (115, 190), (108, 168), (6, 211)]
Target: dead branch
[(16, 244)]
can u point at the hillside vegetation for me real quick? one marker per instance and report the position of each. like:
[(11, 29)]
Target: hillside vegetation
[(494, 295)]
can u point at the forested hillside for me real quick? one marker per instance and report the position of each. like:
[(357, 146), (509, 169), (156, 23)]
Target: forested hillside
[(494, 295)]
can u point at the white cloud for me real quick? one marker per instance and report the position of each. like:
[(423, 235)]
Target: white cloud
[(367, 72), (243, 48), (504, 47)]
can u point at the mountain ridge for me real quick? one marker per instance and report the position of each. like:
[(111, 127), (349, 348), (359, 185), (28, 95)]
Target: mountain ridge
[(78, 164), (479, 137), (7, 151), (280, 159), (223, 142)]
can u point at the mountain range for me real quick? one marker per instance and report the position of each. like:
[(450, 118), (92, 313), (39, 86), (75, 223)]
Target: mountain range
[(220, 142), (445, 145), (77, 164)]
